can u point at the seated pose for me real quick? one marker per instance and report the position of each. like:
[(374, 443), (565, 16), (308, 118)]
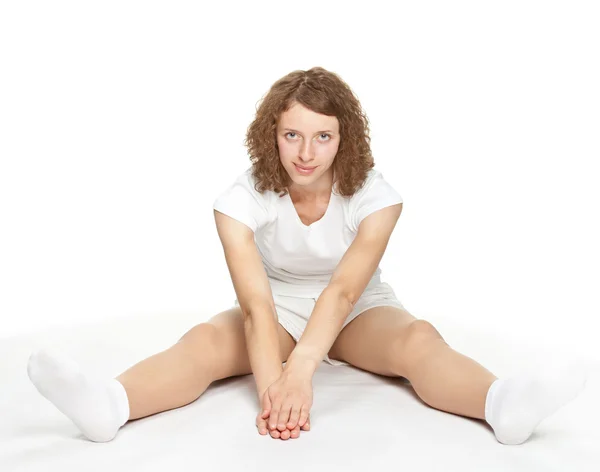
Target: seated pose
[(303, 230)]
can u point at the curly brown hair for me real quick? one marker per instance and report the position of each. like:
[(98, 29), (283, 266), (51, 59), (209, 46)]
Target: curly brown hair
[(322, 92)]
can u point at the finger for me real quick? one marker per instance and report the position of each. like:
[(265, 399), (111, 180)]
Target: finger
[(266, 404), (306, 426), (275, 433), (285, 434), (303, 415), (284, 416), (261, 425), (294, 415), (274, 415), (295, 433)]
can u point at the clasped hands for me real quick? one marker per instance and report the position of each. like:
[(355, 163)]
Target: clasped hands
[(285, 405)]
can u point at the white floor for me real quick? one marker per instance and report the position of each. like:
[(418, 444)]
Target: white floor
[(360, 421)]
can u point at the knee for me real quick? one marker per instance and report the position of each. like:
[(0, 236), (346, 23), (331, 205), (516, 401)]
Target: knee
[(415, 340), (422, 328), (203, 332), (200, 343), (420, 332)]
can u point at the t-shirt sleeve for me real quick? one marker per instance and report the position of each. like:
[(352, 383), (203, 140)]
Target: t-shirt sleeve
[(243, 202), (376, 194)]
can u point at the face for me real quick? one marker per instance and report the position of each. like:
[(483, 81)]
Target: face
[(307, 140)]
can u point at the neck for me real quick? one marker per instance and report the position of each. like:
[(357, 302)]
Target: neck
[(319, 190)]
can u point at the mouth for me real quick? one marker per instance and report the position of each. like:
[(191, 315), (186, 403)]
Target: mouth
[(305, 168)]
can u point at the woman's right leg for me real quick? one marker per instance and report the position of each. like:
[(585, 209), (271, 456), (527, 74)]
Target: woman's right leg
[(175, 377), (170, 379)]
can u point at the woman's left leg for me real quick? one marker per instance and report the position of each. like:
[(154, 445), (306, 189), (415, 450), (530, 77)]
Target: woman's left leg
[(390, 341)]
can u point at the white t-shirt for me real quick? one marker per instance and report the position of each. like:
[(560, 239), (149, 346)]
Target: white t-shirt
[(298, 259)]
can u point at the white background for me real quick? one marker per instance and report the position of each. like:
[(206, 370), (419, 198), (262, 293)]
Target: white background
[(120, 123)]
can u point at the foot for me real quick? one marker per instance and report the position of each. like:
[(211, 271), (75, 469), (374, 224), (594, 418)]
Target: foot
[(516, 405), (98, 407)]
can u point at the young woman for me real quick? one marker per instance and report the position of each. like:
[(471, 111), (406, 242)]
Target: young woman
[(303, 232)]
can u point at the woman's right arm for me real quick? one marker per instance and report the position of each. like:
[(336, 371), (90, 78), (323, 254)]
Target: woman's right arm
[(255, 298)]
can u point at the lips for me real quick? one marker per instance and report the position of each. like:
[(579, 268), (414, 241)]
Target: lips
[(305, 168)]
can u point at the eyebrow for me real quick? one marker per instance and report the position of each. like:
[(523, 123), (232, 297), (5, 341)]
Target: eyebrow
[(296, 131)]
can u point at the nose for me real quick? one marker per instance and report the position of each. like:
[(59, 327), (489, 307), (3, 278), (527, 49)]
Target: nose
[(306, 154)]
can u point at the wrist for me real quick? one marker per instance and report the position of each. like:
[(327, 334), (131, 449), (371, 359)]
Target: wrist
[(298, 363), (266, 382)]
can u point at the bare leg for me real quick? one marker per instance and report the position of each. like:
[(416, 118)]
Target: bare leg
[(100, 406), (170, 379), (450, 381), (174, 377), (390, 341), (513, 406)]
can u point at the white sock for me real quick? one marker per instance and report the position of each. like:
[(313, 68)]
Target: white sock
[(515, 406), (98, 407)]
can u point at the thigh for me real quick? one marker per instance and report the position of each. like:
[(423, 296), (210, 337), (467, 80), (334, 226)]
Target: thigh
[(231, 356), (370, 341)]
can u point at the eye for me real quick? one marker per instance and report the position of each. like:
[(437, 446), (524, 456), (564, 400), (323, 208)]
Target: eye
[(322, 134)]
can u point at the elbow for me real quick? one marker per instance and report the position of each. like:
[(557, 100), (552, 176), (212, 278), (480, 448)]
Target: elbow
[(342, 295), (247, 310), (252, 309)]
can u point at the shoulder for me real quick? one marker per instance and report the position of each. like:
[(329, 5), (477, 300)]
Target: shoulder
[(374, 177), (245, 183), (375, 194), (241, 201), (248, 180)]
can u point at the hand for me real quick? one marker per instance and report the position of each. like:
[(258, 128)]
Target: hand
[(288, 400), (261, 425), (262, 419)]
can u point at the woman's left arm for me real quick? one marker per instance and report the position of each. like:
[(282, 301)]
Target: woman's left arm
[(336, 302)]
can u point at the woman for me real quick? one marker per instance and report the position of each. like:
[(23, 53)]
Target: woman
[(303, 231)]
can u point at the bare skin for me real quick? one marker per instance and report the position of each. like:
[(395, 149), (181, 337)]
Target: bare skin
[(209, 351)]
